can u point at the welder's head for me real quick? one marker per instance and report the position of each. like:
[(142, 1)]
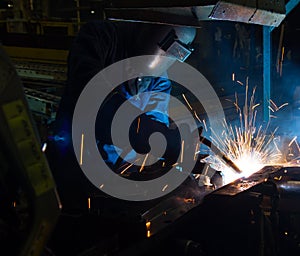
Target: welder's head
[(164, 40), (171, 41)]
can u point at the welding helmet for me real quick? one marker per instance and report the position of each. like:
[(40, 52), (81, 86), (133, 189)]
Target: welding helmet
[(164, 40)]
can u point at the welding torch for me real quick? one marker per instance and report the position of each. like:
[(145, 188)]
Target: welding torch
[(219, 153)]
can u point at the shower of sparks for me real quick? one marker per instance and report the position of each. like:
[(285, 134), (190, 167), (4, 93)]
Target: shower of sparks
[(247, 145)]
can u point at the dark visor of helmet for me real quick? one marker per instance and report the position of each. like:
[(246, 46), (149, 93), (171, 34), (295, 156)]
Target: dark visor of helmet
[(173, 47)]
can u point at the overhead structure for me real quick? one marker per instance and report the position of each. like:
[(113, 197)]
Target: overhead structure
[(190, 13)]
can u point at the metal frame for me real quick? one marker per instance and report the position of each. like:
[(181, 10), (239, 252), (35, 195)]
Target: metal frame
[(267, 61)]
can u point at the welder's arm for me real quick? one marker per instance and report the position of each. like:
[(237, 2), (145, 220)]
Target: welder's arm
[(158, 104)]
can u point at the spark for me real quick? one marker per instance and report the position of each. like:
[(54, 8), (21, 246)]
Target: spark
[(283, 105), (281, 61), (187, 102), (196, 151), (256, 105), (204, 123), (182, 151), (197, 116), (189, 200), (233, 76), (282, 54), (44, 147), (89, 203), (271, 109), (236, 103), (164, 188), (239, 82), (127, 167), (292, 141), (122, 172), (143, 164), (148, 225), (138, 126), (81, 148), (197, 176), (278, 178), (273, 104)]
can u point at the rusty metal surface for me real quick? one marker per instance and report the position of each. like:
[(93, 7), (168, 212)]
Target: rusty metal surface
[(264, 13)]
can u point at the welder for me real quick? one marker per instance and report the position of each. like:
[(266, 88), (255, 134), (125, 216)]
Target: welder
[(98, 45)]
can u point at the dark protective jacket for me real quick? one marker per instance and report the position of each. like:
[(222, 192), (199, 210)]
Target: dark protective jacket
[(98, 45)]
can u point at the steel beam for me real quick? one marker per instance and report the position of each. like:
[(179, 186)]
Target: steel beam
[(267, 36), (291, 5)]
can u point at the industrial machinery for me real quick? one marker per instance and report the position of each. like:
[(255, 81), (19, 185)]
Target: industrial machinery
[(30, 204), (258, 215)]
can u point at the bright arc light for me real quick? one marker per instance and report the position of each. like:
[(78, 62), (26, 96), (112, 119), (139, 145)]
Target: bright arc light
[(249, 164)]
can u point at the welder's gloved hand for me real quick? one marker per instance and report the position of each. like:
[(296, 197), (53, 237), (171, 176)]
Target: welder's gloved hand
[(139, 85)]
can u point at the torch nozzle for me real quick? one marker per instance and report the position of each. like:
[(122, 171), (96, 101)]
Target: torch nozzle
[(231, 164), (218, 152)]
